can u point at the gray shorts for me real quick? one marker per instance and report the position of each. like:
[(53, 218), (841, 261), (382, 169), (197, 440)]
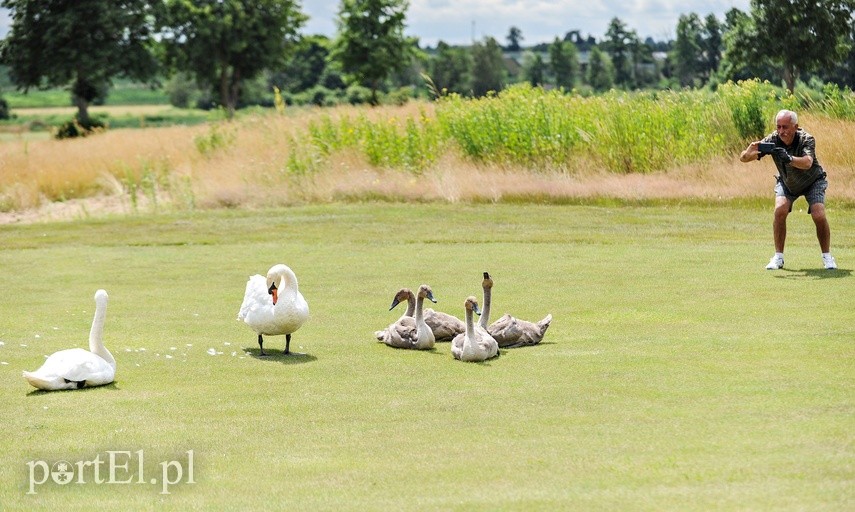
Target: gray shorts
[(815, 194)]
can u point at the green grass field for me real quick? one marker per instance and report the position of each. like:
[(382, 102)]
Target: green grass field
[(677, 373)]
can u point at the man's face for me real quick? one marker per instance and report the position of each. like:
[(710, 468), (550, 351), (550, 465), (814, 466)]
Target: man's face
[(786, 129)]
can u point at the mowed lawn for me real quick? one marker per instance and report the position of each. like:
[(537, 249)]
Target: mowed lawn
[(678, 374)]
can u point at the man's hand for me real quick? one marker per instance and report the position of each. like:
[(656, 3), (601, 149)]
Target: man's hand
[(782, 155)]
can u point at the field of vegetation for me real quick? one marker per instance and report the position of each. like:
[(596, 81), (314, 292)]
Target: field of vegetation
[(677, 373), (523, 144)]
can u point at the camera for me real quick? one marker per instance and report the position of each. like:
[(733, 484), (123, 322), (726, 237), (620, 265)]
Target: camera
[(766, 148)]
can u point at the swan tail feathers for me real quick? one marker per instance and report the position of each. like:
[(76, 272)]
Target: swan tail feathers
[(544, 324), (41, 382)]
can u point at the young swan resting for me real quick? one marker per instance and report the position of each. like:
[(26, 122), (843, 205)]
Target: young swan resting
[(404, 294), (274, 305), (76, 368), (444, 326), (510, 332), (409, 332), (475, 344)]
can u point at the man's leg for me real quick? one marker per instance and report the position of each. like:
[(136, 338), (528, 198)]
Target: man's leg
[(823, 232), (779, 224)]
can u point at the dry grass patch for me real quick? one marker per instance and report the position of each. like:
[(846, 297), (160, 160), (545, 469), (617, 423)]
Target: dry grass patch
[(249, 163)]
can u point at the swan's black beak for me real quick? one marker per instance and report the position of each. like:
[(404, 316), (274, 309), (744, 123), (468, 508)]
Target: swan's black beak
[(430, 297), (486, 275), (475, 309), (272, 291), (395, 302)]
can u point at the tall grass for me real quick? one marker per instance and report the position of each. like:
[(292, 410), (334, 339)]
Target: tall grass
[(524, 143)]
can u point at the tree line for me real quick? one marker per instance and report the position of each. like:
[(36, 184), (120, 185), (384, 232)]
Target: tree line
[(226, 48)]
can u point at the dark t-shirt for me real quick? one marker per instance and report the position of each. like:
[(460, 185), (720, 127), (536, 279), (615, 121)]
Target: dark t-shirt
[(797, 180)]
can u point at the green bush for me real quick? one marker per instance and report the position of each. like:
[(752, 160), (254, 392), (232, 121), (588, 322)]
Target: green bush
[(181, 90), (76, 128), (357, 94), (753, 105), (399, 96)]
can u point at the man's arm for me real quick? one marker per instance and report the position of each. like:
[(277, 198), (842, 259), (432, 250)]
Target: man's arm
[(751, 152), (802, 162)]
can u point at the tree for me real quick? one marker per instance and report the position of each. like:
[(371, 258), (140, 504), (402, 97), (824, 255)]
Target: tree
[(82, 45), (600, 71), (618, 44), (305, 66), (488, 67), (564, 62), (582, 44), (844, 73), (712, 45), (535, 69), (450, 69), (794, 36), (370, 44), (226, 42), (514, 37), (688, 49)]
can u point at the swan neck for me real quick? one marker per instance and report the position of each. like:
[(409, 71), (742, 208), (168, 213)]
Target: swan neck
[(96, 335), (420, 317), (287, 282), (411, 305), (485, 310), (470, 327)]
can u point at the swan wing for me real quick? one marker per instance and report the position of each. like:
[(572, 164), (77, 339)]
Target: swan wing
[(444, 326), (457, 345), (506, 330), (489, 346), (402, 334), (256, 300)]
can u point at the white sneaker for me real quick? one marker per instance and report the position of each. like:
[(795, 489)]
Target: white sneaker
[(775, 263), (829, 262)]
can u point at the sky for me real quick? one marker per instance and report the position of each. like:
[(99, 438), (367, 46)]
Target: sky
[(540, 21)]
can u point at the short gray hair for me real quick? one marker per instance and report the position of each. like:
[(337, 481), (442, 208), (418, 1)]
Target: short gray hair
[(794, 118)]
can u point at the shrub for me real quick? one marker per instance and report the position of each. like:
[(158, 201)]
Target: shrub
[(357, 94), (76, 128), (181, 90), (753, 104)]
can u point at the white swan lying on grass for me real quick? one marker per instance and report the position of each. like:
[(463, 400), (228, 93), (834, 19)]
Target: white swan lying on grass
[(75, 368), (273, 305)]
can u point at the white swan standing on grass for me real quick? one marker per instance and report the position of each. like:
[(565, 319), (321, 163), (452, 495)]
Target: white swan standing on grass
[(475, 344), (409, 332), (273, 305), (510, 332), (75, 368)]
